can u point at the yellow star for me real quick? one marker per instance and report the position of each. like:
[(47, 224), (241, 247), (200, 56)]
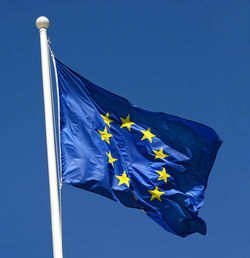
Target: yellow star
[(123, 179), (147, 135), (106, 119), (159, 154), (135, 196), (126, 122), (163, 175), (111, 159), (156, 194), (105, 135)]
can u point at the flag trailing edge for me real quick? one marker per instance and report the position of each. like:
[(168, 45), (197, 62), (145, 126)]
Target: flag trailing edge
[(147, 160)]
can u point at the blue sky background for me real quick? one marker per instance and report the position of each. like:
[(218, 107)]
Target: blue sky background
[(187, 58)]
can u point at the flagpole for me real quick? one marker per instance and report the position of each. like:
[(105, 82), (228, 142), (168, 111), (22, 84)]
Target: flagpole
[(42, 23)]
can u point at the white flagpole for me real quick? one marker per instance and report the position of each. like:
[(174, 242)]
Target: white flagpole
[(42, 24)]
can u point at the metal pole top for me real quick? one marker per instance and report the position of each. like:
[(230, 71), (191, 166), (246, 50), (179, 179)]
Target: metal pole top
[(42, 22)]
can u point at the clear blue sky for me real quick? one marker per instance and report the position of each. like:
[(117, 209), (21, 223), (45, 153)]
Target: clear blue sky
[(187, 58)]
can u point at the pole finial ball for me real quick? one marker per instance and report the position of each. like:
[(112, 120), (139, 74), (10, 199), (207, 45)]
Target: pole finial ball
[(42, 22)]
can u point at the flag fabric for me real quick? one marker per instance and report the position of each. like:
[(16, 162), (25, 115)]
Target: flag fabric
[(151, 161)]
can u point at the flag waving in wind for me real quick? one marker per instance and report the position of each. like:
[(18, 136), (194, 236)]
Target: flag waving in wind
[(147, 160)]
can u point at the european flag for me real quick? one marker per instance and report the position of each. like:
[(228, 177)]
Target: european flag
[(151, 161)]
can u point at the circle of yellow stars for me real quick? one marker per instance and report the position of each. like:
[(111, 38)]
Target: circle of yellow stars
[(147, 135)]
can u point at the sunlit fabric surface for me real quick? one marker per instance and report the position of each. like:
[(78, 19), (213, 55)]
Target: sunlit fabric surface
[(152, 161)]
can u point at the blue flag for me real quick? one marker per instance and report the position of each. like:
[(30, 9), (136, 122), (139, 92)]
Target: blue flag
[(151, 161)]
